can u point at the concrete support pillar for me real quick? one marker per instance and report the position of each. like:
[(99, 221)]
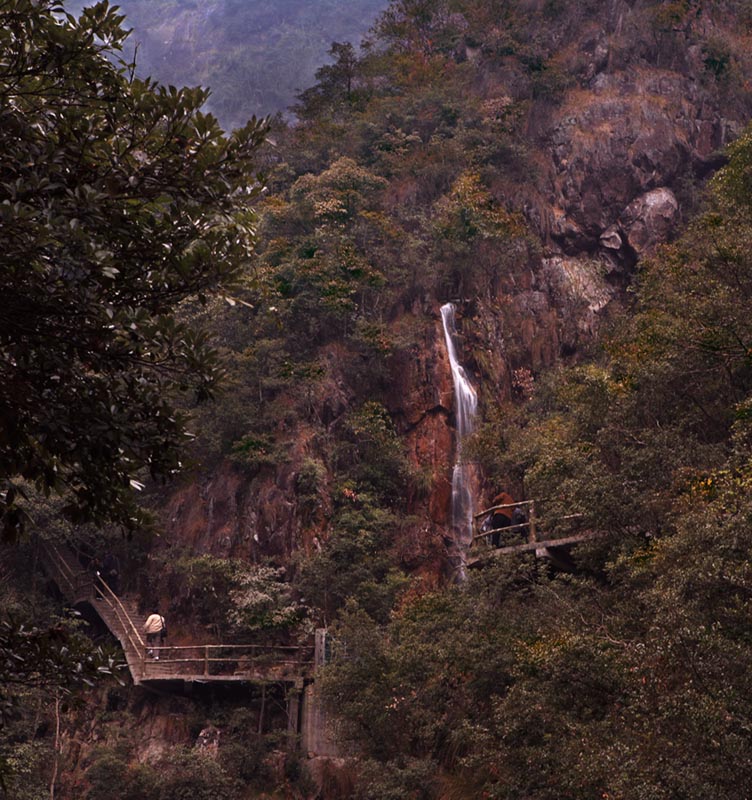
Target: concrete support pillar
[(294, 704), (317, 736)]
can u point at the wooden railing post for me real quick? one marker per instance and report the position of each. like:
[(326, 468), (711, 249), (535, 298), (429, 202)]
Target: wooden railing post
[(533, 534), (206, 660), (263, 708), (320, 647), (294, 701)]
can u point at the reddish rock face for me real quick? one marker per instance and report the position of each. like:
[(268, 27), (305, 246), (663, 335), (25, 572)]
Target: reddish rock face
[(203, 517), (422, 403), (229, 515)]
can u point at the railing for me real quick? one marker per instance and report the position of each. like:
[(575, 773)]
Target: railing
[(77, 584), (531, 524), (227, 660), (209, 661), (130, 629)]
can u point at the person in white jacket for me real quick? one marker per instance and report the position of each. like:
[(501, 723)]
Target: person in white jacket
[(154, 628)]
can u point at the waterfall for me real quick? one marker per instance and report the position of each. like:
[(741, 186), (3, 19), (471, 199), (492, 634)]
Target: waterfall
[(463, 475)]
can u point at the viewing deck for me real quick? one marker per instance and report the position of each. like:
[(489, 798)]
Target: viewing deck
[(546, 546)]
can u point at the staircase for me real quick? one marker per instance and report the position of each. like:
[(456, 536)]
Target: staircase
[(119, 615), (197, 662)]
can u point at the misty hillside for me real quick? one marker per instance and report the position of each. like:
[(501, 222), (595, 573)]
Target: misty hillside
[(255, 56)]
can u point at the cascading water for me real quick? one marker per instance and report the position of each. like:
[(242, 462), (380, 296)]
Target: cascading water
[(463, 474)]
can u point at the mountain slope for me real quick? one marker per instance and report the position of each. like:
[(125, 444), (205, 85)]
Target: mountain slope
[(518, 157), (544, 165)]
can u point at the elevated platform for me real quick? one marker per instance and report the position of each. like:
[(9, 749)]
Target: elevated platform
[(544, 545)]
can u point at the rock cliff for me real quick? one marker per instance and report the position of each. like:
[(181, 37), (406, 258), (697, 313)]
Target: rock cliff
[(644, 104)]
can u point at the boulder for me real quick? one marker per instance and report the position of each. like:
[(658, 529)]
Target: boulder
[(650, 219), (625, 136)]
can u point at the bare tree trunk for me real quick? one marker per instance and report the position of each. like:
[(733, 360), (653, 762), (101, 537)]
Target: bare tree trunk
[(263, 708), (53, 779)]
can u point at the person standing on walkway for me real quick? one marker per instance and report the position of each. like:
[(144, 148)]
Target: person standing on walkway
[(111, 572), (154, 628), (502, 517)]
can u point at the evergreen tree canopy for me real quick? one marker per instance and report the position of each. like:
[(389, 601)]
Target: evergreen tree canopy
[(118, 200)]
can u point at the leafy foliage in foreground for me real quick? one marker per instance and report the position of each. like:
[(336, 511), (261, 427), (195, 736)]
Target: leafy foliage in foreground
[(118, 199), (53, 657)]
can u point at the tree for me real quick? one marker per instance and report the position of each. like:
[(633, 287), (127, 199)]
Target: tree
[(337, 85), (118, 200), (39, 665), (319, 248)]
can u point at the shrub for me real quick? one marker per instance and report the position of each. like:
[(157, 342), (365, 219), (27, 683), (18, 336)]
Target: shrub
[(112, 776), (189, 775), (355, 564), (310, 482), (373, 454), (231, 597)]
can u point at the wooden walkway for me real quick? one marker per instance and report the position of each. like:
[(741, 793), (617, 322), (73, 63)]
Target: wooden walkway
[(195, 663), (228, 663), (543, 546)]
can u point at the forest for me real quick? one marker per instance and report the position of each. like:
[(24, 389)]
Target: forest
[(223, 362)]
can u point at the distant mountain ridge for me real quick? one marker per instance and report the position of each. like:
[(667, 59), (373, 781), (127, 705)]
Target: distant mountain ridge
[(255, 56)]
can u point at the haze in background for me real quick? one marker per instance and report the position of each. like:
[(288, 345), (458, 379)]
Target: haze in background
[(255, 55)]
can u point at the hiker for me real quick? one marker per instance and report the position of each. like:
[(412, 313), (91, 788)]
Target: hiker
[(501, 517), (154, 628), (96, 573), (111, 572), (519, 517)]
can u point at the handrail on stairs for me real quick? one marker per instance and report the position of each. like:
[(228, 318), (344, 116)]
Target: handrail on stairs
[(129, 627), (77, 582), (80, 580)]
